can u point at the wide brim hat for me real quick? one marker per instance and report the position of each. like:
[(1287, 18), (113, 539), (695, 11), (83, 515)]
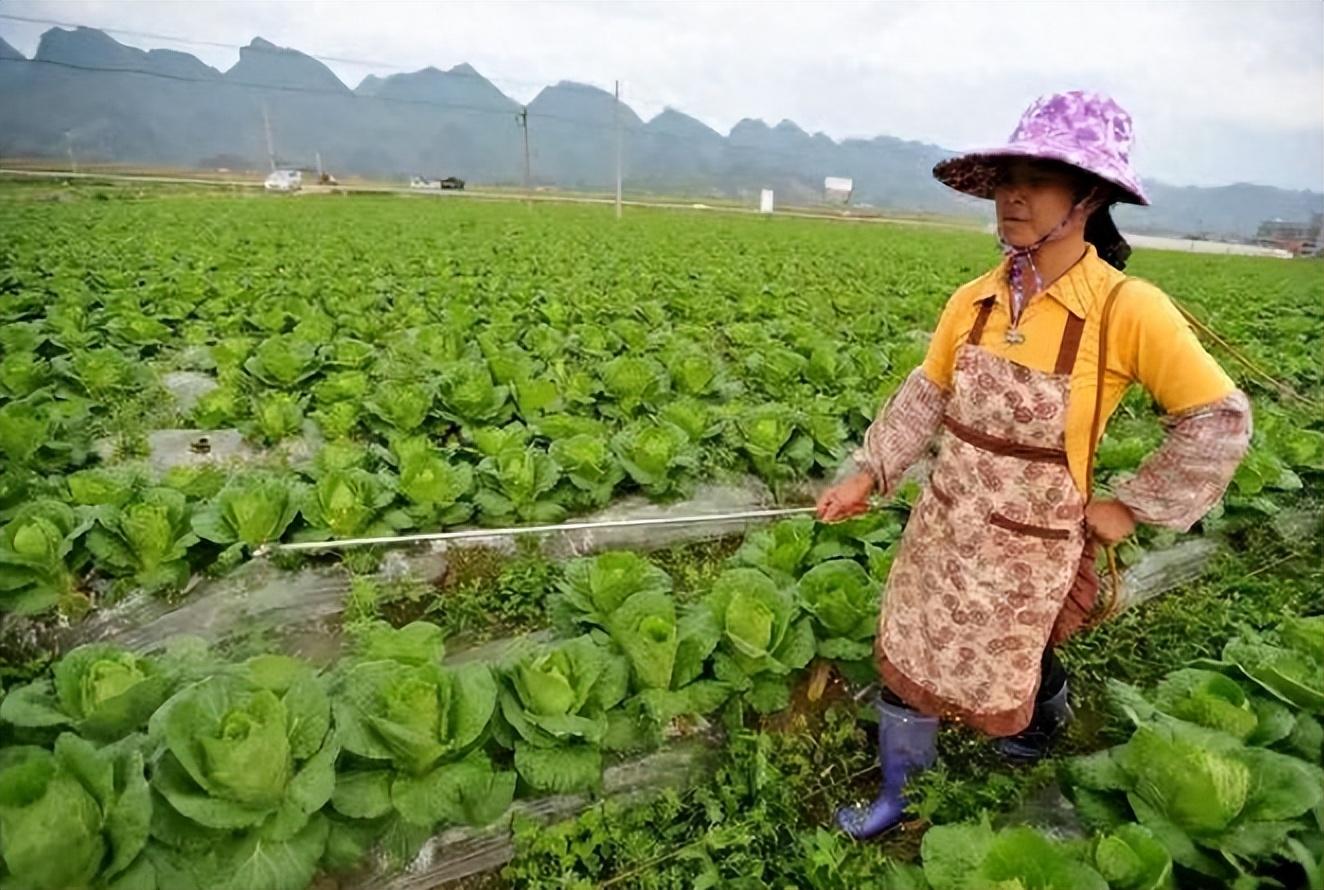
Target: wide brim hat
[(1086, 130)]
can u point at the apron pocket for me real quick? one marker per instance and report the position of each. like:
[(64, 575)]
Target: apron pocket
[(1030, 531)]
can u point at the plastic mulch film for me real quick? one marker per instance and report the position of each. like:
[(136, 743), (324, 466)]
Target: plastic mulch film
[(1160, 571), (298, 611), (461, 852), (1048, 810)]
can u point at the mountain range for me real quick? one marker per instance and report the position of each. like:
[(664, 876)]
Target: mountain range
[(86, 94)]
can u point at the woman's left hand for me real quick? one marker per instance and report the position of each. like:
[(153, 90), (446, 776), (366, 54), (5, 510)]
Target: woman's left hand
[(1109, 520)]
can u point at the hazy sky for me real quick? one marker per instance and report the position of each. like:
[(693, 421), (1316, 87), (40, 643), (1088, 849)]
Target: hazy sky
[(1221, 91)]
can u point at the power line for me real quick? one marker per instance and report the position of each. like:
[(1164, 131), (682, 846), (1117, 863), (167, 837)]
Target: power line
[(277, 50), (347, 93), (585, 87), (350, 95)]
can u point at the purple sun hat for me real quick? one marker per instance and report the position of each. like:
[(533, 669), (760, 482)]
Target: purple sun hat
[(1085, 130)]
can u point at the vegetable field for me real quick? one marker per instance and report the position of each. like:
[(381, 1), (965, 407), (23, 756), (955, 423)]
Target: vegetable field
[(187, 379)]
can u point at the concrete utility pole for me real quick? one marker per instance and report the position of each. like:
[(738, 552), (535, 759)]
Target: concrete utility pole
[(618, 149), (523, 118), (271, 148)]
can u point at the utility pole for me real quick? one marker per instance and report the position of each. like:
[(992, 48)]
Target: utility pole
[(618, 149), (523, 118), (320, 174), (69, 144), (271, 149)]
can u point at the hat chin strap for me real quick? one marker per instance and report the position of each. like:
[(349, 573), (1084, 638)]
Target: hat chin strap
[(1021, 259)]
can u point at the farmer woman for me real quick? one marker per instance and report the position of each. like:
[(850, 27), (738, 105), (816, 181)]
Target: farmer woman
[(1026, 364)]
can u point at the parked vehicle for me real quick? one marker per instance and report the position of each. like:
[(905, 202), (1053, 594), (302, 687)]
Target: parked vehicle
[(284, 181)]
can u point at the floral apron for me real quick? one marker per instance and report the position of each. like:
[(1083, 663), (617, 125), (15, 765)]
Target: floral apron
[(992, 547)]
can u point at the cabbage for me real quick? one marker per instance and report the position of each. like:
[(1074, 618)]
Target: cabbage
[(764, 638), (553, 704), (72, 815)]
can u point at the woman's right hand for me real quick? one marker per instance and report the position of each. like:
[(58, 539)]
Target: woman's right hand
[(848, 498)]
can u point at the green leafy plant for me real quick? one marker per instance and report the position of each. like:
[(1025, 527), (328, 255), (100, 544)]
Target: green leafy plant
[(436, 488), (963, 856), (247, 763), (658, 456), (554, 701), (781, 551), (1291, 668), (589, 466), (349, 503), (843, 601), (667, 653), (101, 485), (636, 384), (416, 729), (39, 559), (249, 512), (517, 485), (73, 817), (284, 361), (764, 638), (146, 540), (1216, 804), (276, 416), (595, 587), (773, 443), (402, 407), (218, 408), (468, 395), (1131, 858)]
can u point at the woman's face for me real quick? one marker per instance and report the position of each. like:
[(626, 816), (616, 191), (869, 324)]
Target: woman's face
[(1032, 199)]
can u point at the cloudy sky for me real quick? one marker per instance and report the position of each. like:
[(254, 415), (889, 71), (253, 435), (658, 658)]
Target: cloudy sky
[(1221, 91)]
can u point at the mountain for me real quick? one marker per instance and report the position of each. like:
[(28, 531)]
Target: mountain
[(264, 64), (166, 108), (572, 136), (1238, 209)]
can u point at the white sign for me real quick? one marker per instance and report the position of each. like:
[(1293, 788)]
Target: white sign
[(765, 201), (838, 184)]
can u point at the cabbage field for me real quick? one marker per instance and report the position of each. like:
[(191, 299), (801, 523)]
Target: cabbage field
[(189, 378)]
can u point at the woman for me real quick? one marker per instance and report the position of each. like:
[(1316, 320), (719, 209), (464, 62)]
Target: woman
[(1026, 364)]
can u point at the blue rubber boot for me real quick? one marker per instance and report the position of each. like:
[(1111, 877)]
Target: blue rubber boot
[(907, 742), (1051, 715)]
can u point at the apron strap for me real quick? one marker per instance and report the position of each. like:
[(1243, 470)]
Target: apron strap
[(1098, 385), (985, 309), (1066, 353)]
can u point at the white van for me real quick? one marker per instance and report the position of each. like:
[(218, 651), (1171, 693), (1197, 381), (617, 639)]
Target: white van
[(284, 181)]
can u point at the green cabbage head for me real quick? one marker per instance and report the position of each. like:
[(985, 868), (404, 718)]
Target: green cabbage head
[(101, 690), (844, 603), (554, 702), (247, 749), (74, 817), (418, 728), (764, 636)]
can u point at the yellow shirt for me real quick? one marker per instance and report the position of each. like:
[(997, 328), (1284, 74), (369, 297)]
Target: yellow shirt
[(1148, 343)]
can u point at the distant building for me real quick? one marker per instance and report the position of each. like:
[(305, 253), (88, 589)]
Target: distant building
[(838, 189), (1301, 238)]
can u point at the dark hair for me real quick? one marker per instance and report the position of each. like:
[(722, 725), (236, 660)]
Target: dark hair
[(1101, 231)]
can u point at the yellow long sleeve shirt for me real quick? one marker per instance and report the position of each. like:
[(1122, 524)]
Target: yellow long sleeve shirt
[(1148, 343)]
